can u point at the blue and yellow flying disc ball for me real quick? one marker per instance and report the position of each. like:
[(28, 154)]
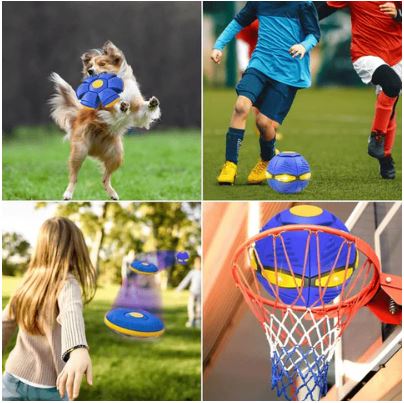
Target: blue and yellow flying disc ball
[(182, 257), (134, 322), (100, 91), (141, 267), (331, 261), (288, 172)]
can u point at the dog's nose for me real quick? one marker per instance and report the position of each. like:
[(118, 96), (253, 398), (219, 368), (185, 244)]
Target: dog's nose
[(90, 71)]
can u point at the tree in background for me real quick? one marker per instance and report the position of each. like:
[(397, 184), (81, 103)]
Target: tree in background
[(113, 229), (16, 253)]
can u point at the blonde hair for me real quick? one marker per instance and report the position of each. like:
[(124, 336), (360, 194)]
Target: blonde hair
[(60, 250)]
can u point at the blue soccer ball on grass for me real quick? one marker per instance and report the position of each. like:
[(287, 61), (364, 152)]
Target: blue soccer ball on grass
[(288, 172), (100, 90)]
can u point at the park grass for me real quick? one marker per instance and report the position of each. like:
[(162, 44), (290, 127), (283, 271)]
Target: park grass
[(157, 166), (124, 369), (328, 126)]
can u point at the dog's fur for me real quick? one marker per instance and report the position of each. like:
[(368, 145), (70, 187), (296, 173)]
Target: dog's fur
[(98, 133)]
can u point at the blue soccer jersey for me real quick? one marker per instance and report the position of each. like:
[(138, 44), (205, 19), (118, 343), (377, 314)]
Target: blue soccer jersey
[(282, 24)]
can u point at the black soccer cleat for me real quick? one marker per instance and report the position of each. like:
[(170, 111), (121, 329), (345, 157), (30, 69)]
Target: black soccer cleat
[(387, 170), (376, 145)]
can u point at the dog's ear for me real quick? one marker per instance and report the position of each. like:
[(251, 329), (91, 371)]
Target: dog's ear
[(113, 52), (109, 48), (87, 56)]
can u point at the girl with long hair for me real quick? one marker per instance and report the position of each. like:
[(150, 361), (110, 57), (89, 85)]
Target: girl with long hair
[(51, 354)]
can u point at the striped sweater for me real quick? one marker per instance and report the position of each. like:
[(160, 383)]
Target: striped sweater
[(39, 358)]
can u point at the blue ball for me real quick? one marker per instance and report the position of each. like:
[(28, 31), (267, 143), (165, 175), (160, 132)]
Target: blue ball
[(100, 91), (135, 323), (141, 267), (182, 257), (288, 172), (334, 253)]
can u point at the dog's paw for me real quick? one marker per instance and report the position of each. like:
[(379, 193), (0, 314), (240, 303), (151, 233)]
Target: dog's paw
[(124, 106), (67, 195), (114, 196), (153, 103)]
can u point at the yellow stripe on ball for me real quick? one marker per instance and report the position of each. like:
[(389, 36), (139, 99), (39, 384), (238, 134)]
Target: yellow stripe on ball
[(305, 176), (112, 103), (306, 211), (285, 178)]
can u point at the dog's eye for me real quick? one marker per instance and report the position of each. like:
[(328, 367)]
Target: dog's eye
[(101, 64)]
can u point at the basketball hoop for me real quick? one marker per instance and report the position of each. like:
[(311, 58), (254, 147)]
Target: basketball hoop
[(302, 329)]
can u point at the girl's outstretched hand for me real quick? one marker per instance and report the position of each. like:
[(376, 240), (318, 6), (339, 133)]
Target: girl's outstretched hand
[(297, 50), (216, 56), (69, 380)]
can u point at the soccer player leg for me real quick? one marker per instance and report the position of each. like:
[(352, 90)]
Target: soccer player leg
[(234, 138), (247, 89), (274, 104), (391, 132), (267, 128), (381, 139), (387, 169)]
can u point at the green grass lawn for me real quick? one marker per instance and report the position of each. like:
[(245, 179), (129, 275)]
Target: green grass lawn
[(329, 127), (157, 166), (124, 369)]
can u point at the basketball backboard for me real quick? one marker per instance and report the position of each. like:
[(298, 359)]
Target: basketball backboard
[(370, 351), (236, 360)]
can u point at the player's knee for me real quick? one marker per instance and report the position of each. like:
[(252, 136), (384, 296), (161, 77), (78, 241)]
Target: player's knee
[(394, 89), (241, 109), (388, 79)]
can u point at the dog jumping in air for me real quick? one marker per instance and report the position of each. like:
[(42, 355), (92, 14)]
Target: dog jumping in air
[(98, 132)]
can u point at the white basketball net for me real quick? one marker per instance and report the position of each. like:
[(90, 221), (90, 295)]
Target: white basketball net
[(301, 347)]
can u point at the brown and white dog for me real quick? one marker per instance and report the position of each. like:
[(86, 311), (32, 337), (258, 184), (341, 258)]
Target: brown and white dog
[(98, 132)]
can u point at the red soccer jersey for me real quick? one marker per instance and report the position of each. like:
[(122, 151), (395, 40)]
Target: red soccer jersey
[(373, 33), (249, 34)]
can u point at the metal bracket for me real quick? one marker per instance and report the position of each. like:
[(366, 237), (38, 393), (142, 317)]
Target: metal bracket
[(386, 304)]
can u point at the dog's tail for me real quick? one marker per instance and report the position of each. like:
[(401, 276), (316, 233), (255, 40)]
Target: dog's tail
[(64, 104)]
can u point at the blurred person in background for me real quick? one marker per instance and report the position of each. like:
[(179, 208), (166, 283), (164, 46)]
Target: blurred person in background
[(193, 280)]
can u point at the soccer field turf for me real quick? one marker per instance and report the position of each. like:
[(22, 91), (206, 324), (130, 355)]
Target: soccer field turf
[(157, 166), (329, 127)]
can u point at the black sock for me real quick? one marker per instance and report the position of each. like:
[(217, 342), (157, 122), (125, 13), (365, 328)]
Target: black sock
[(234, 137), (267, 149)]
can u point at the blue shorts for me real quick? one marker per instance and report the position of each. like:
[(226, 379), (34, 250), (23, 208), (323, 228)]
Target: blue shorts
[(272, 98)]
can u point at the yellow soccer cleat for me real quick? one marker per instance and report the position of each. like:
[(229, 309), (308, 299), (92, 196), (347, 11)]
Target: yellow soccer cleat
[(228, 174), (258, 173)]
